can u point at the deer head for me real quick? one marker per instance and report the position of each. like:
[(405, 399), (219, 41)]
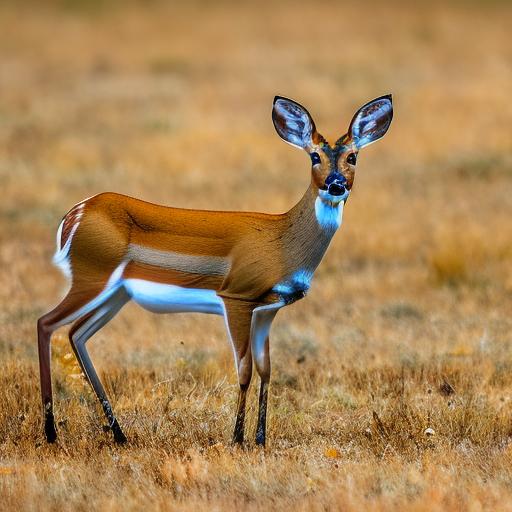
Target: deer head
[(333, 166)]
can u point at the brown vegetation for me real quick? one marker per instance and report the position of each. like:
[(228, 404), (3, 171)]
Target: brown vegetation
[(392, 381)]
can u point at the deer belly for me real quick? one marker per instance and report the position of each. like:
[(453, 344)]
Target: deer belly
[(168, 298)]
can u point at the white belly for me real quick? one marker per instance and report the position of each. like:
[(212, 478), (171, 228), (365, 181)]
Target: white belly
[(167, 298)]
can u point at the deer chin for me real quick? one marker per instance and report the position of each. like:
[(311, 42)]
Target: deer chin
[(331, 199)]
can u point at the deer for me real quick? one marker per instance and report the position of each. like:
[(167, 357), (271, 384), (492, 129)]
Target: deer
[(243, 266)]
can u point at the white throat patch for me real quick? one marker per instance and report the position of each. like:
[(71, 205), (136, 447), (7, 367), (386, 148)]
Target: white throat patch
[(329, 214)]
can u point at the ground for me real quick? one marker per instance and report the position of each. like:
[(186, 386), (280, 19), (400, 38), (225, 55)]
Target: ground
[(392, 381)]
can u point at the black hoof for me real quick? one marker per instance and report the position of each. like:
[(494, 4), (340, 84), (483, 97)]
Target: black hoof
[(237, 440), (119, 437), (49, 428), (260, 440), (238, 435)]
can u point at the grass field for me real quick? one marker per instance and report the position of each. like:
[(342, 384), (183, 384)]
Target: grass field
[(392, 381)]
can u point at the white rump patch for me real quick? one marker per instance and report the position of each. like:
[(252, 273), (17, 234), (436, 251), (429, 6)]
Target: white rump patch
[(61, 256)]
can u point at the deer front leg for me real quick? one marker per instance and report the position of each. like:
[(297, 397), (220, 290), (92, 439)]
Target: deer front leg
[(264, 373), (260, 328), (238, 320), (243, 381)]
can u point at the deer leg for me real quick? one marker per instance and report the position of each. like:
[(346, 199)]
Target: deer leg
[(244, 379), (260, 328), (80, 333), (44, 334), (71, 333), (261, 430), (238, 320), (67, 311)]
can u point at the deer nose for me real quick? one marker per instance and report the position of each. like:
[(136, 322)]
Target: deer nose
[(336, 184), (336, 189)]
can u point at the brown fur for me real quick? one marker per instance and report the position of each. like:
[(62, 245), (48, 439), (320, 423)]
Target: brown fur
[(262, 249)]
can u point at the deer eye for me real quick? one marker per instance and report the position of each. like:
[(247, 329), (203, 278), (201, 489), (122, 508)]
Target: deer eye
[(315, 158), (352, 159)]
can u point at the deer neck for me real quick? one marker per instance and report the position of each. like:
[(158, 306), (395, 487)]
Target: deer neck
[(311, 224)]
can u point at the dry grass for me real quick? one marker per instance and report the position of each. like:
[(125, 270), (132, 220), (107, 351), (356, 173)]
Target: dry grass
[(392, 381)]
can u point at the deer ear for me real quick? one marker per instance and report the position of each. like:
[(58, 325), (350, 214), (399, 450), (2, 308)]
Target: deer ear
[(293, 122), (371, 121)]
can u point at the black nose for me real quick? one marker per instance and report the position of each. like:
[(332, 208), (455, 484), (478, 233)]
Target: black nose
[(336, 189), (336, 184)]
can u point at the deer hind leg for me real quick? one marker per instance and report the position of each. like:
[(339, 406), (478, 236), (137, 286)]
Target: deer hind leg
[(260, 329), (80, 333), (82, 298), (77, 302), (238, 320)]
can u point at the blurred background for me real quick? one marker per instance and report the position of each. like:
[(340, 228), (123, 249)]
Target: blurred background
[(171, 102)]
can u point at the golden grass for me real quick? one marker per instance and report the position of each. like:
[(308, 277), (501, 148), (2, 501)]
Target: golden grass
[(392, 381)]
